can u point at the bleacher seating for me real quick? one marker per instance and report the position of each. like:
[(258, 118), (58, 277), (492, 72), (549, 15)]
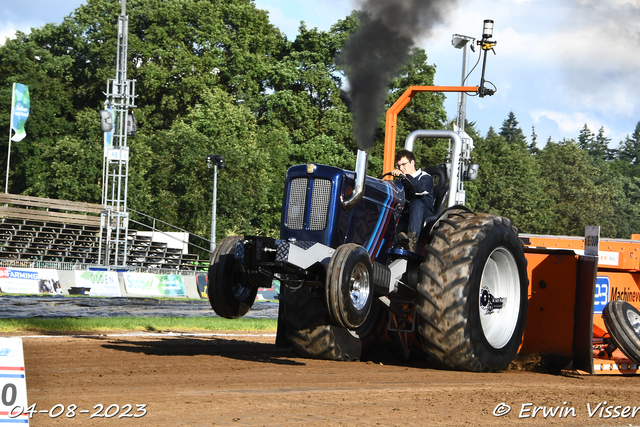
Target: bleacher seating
[(51, 236)]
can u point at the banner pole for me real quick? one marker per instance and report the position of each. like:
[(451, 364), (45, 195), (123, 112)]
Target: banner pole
[(6, 183)]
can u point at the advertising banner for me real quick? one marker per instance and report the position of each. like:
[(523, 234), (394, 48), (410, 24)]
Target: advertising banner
[(100, 283), (19, 110), (29, 281), (159, 285), (203, 286)]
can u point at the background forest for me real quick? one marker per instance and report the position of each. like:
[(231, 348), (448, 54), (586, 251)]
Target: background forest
[(215, 77)]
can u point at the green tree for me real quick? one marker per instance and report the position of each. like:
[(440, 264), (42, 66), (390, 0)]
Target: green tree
[(581, 193), (508, 184), (600, 149), (585, 139), (212, 77), (177, 49), (28, 60), (173, 182), (629, 149), (533, 147), (306, 88), (182, 54), (511, 132)]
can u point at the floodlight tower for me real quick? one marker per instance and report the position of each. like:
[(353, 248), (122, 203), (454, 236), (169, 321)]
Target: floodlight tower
[(461, 42), (114, 221)]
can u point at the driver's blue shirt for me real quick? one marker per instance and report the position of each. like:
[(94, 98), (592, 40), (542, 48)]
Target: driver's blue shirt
[(422, 205)]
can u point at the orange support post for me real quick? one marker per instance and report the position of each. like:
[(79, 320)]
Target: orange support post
[(392, 118)]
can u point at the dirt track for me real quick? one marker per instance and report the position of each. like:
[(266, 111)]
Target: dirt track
[(236, 381)]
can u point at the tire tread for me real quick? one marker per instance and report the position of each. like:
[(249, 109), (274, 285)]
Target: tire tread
[(443, 309)]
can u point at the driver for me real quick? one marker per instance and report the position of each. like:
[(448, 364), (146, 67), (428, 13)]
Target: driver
[(421, 206)]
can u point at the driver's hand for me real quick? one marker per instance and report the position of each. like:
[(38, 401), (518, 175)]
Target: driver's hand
[(397, 172)]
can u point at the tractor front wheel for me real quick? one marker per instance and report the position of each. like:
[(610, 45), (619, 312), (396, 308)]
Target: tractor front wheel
[(349, 287), (230, 294)]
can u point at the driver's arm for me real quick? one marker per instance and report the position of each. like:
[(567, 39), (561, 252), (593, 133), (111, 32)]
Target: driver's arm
[(423, 184)]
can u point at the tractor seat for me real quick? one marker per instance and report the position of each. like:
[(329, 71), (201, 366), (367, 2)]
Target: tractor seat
[(440, 187), (440, 192)]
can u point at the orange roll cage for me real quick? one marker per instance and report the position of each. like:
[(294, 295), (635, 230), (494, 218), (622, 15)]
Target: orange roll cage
[(392, 118)]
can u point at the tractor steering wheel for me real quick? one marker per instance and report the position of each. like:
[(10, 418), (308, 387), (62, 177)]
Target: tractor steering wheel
[(409, 189)]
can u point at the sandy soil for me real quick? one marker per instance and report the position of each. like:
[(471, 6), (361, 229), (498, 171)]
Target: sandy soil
[(247, 381)]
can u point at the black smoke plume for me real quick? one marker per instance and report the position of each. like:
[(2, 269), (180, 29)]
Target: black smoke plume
[(376, 52)]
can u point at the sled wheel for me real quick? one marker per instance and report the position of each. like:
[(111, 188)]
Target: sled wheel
[(623, 324), (230, 294), (349, 290), (473, 293)]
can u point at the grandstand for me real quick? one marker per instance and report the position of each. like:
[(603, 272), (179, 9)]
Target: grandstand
[(39, 230)]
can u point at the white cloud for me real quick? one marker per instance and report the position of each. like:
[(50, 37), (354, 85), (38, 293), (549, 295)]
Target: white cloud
[(567, 122), (572, 124), (7, 30)]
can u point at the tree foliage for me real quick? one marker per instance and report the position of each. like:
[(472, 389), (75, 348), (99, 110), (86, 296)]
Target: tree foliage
[(216, 77)]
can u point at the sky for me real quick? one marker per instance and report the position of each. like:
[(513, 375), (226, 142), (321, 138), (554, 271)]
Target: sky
[(558, 64)]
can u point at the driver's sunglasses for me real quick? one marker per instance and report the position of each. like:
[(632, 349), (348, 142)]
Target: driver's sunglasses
[(400, 165)]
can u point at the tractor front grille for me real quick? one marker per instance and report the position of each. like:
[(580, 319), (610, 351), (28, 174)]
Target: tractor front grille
[(297, 202), (308, 213), (320, 197)]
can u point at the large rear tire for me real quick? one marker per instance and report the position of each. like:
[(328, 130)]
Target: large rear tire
[(370, 333), (473, 293), (308, 328), (230, 294)]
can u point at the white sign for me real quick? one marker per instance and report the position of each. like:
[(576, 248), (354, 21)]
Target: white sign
[(29, 281), (13, 385), (118, 154), (100, 283), (591, 240), (604, 257)]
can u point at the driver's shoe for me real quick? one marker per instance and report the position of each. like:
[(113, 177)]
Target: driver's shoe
[(403, 241), (407, 241), (413, 239)]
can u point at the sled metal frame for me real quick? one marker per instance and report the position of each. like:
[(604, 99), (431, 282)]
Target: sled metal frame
[(555, 264)]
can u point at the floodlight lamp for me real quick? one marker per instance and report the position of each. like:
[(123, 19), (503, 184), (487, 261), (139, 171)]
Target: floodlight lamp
[(215, 159), (459, 41), (487, 30), (106, 121)]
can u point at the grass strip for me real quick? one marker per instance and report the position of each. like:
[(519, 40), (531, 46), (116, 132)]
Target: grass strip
[(164, 324)]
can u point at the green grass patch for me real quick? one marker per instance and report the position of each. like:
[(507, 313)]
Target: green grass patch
[(152, 324)]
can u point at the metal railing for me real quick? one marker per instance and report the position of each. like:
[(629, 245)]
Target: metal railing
[(156, 230), (200, 245), (71, 266)]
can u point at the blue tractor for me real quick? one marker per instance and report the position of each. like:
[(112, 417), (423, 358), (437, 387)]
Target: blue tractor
[(460, 297)]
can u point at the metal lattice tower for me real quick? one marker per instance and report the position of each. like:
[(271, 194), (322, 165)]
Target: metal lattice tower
[(114, 221)]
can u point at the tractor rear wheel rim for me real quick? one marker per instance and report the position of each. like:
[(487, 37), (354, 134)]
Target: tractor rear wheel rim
[(359, 286), (499, 299)]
